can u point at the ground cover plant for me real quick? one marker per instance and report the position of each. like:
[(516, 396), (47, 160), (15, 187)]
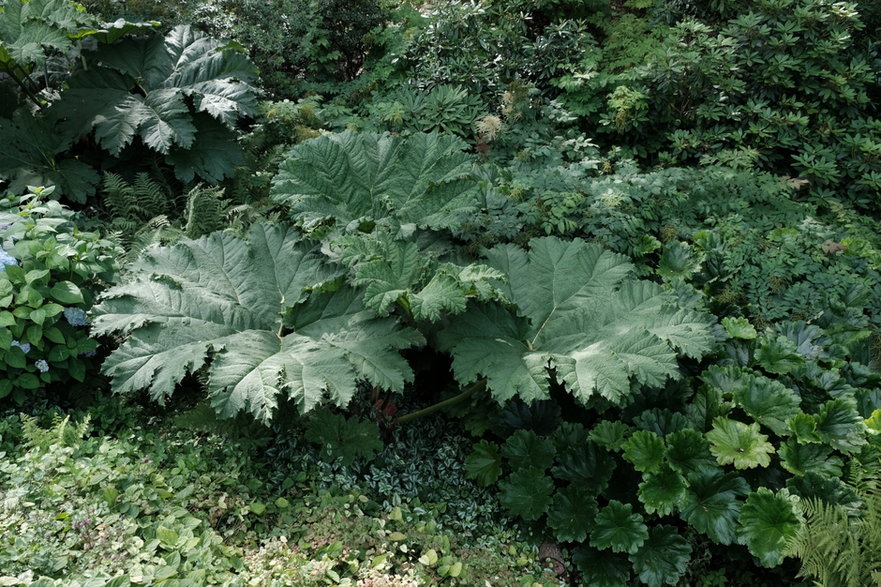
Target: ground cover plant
[(462, 293)]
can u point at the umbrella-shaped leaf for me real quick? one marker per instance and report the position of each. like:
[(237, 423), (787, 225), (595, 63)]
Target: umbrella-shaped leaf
[(527, 493), (618, 528), (663, 558), (742, 445), (767, 521)]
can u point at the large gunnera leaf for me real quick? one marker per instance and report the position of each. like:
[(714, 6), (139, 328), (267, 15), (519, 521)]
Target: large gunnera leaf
[(421, 180), (28, 29), (580, 317), (155, 88), (246, 310)]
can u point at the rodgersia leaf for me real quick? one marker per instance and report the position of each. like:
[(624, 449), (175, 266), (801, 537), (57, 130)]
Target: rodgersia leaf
[(618, 528), (220, 301), (663, 558), (742, 445), (571, 514), (767, 521), (527, 493), (580, 314)]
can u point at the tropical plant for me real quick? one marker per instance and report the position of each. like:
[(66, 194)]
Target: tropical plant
[(181, 95)]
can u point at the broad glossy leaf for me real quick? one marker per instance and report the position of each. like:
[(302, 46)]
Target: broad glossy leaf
[(343, 438), (352, 175), (618, 528), (733, 442), (777, 354), (688, 452), (588, 466), (840, 425), (610, 434), (571, 514), (484, 464), (664, 557), (801, 459), (661, 421), (601, 568), (220, 301), (662, 492), (581, 315), (645, 451), (525, 448), (739, 328), (526, 493), (711, 503), (768, 401), (767, 521)]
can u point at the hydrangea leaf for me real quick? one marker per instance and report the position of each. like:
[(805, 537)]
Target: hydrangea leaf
[(840, 425), (645, 451), (581, 315), (601, 568), (588, 466), (711, 505), (221, 300), (733, 442), (484, 464), (767, 521), (663, 558), (571, 514), (618, 528), (769, 402), (352, 175), (527, 493), (801, 459), (662, 492), (525, 448)]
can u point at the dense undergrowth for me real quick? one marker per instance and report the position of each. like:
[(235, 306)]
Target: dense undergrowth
[(495, 292)]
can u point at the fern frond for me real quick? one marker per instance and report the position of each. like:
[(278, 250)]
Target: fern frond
[(205, 211)]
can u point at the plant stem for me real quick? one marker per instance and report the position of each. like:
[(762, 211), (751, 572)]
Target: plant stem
[(468, 392)]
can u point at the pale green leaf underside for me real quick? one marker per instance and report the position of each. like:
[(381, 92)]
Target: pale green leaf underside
[(220, 301), (582, 315)]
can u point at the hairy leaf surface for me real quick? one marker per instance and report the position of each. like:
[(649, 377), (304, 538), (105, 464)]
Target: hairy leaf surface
[(421, 180), (580, 314), (222, 301)]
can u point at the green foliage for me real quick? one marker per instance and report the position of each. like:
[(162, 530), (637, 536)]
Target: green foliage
[(834, 545), (582, 316), (784, 85), (351, 176), (254, 312), (181, 95), (768, 522), (52, 273), (342, 438)]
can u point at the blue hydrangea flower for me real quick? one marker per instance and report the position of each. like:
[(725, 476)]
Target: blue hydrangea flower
[(42, 365), (25, 347), (75, 316), (6, 259)]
